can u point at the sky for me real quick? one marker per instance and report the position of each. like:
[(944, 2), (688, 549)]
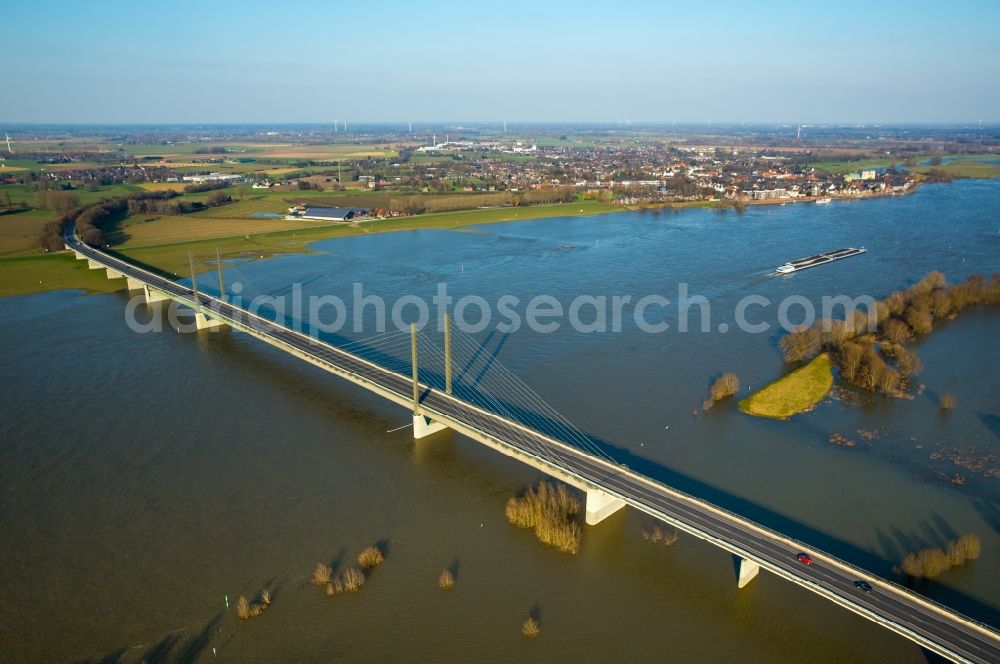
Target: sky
[(387, 61)]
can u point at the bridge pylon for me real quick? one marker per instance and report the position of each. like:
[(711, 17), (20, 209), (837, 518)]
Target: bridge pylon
[(447, 353), (194, 281), (201, 320), (422, 426), (218, 266)]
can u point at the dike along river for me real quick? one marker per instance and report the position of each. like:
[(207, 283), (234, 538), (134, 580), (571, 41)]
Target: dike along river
[(146, 477)]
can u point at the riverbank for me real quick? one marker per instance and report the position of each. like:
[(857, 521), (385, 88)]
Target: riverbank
[(26, 273), (853, 197), (172, 257), (164, 242), (33, 273)]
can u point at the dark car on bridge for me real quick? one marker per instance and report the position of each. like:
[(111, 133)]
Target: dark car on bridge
[(863, 586)]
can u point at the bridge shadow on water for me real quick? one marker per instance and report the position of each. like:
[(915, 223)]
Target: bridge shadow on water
[(864, 558), (880, 564), (470, 385), (173, 647), (894, 545), (934, 531)]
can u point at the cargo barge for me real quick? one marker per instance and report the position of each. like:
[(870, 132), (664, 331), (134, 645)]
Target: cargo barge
[(819, 259)]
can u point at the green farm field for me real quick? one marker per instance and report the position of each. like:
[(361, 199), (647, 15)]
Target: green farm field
[(37, 273)]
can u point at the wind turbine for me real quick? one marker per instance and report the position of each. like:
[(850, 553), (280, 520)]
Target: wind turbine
[(411, 125), (9, 149)]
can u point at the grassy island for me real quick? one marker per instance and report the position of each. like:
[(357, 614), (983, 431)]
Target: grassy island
[(793, 393)]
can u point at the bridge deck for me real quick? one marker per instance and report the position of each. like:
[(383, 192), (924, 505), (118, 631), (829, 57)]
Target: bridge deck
[(931, 625)]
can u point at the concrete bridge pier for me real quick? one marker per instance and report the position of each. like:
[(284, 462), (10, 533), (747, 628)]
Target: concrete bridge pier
[(425, 426), (153, 296), (748, 572), (601, 505), (134, 284), (114, 274), (94, 265), (203, 322)]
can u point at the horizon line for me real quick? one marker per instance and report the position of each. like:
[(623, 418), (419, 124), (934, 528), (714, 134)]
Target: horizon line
[(618, 124)]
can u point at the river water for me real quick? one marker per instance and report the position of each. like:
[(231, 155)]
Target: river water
[(146, 477)]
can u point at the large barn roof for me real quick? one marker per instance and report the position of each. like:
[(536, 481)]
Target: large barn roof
[(333, 213)]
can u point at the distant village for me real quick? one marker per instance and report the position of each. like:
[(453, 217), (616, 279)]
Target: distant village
[(622, 173)]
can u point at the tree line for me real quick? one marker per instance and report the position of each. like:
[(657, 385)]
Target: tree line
[(8, 206), (199, 187), (94, 220), (880, 361), (168, 204), (57, 200), (429, 204), (91, 222)]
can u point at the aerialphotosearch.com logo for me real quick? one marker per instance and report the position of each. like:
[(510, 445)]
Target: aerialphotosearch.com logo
[(368, 313)]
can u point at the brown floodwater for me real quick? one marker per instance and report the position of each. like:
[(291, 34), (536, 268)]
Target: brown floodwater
[(145, 478)]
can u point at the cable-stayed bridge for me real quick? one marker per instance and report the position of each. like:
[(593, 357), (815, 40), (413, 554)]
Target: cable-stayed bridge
[(460, 386)]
